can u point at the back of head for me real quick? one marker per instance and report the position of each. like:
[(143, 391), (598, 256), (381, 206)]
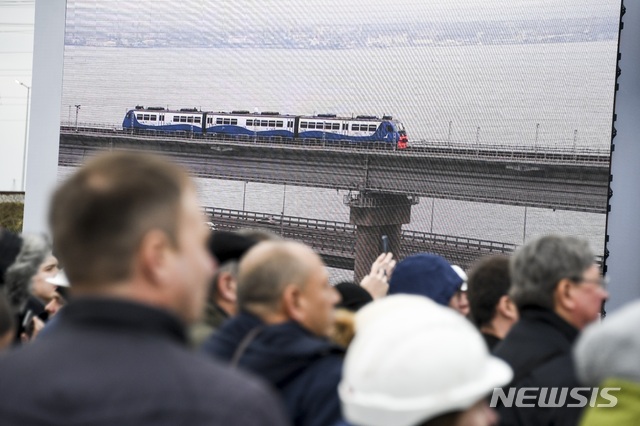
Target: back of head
[(7, 323), (10, 244), (537, 267), (609, 350), (427, 275), (352, 296), (411, 361), (99, 215), (267, 269), (229, 246), (488, 281)]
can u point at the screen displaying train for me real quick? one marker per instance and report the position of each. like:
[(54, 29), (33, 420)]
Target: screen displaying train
[(244, 124)]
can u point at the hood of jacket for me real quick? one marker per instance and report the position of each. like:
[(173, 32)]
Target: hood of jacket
[(278, 352)]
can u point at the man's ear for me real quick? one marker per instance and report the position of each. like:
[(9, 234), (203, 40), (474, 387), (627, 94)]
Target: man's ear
[(507, 308), (153, 257), (226, 287), (291, 303), (563, 295)]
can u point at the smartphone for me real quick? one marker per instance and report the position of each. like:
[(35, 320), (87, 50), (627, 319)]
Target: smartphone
[(27, 323), (385, 244)]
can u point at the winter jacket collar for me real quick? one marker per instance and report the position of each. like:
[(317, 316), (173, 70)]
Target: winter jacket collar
[(123, 316), (549, 317), (279, 352)]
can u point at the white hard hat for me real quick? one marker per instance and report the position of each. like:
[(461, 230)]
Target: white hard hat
[(413, 360), (59, 279), (462, 275)]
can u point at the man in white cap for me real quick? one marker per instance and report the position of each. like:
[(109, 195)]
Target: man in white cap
[(413, 362)]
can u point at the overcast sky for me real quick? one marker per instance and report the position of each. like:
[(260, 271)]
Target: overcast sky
[(234, 14)]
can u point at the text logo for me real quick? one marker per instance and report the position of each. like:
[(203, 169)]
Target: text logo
[(554, 397)]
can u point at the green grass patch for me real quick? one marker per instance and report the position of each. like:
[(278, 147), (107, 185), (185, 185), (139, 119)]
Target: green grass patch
[(11, 215)]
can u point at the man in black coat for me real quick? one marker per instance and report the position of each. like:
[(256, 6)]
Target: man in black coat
[(558, 290), (133, 241), (286, 311)]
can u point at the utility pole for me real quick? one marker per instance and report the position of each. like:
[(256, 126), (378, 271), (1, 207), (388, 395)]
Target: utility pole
[(26, 139), (77, 109)]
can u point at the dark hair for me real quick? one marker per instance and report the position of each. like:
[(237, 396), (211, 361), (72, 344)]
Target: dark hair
[(99, 216), (446, 419), (7, 318), (352, 296), (488, 281)]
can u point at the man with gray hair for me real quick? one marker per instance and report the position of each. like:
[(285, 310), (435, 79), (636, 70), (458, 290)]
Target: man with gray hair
[(558, 289), (286, 312)]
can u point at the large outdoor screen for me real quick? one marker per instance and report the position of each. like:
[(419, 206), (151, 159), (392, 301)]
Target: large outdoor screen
[(462, 128)]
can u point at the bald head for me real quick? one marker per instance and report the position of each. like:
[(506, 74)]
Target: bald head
[(268, 268), (286, 281)]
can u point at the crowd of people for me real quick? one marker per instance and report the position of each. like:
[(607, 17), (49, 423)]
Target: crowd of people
[(157, 320)]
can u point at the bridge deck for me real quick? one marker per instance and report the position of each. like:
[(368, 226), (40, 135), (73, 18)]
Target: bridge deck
[(555, 179)]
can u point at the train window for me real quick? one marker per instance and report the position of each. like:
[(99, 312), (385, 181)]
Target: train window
[(152, 117), (312, 125), (190, 119), (219, 120), (327, 126), (372, 127), (139, 116), (226, 121), (176, 119), (355, 127), (161, 117), (234, 121), (289, 123), (279, 123), (196, 119), (249, 122), (183, 119), (345, 127), (146, 117), (303, 125), (335, 126), (264, 123), (272, 123), (209, 120)]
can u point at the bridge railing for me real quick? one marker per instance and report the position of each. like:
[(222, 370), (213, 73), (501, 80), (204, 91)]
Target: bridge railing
[(454, 241), (433, 147), (307, 224), (339, 237)]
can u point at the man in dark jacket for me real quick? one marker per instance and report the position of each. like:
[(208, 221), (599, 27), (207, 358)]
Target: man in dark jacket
[(558, 290), (286, 311), (133, 241)]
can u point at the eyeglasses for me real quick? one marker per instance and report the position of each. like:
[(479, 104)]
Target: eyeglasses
[(600, 281)]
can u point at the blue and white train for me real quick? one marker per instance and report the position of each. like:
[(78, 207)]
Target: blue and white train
[(328, 127)]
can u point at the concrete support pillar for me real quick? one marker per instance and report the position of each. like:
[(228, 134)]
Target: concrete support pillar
[(375, 215)]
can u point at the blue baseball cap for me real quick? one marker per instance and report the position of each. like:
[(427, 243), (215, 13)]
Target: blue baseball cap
[(428, 275)]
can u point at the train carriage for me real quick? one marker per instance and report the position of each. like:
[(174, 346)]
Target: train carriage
[(158, 118), (326, 127)]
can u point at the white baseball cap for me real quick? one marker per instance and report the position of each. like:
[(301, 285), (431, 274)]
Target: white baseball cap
[(59, 279), (461, 274), (412, 360)]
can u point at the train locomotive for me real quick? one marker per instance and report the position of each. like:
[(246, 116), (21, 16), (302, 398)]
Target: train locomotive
[(244, 125)]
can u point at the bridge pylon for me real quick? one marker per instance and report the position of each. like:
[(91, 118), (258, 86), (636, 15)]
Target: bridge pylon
[(376, 214)]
